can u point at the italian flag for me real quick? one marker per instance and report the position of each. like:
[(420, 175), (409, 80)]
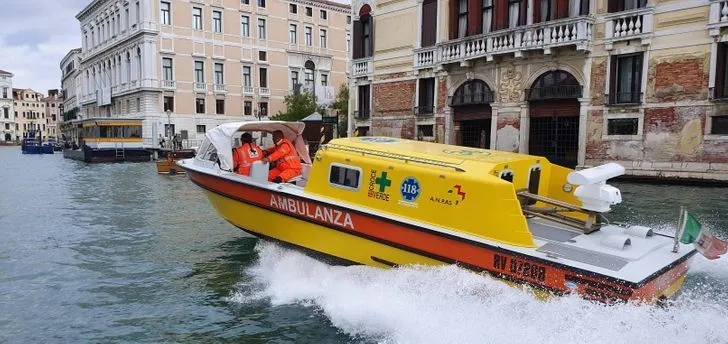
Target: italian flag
[(691, 232)]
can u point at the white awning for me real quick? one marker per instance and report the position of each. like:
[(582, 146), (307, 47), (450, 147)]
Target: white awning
[(222, 138)]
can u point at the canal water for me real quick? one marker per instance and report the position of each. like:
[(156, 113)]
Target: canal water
[(118, 254)]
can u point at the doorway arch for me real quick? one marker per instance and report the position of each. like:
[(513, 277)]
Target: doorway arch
[(472, 114), (554, 117), (8, 137)]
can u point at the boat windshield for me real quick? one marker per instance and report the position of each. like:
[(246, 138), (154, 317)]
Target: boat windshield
[(207, 151)]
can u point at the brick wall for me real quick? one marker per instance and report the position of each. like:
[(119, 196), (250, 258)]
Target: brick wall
[(392, 112), (595, 147), (679, 78), (598, 79), (394, 98), (403, 127), (441, 94)]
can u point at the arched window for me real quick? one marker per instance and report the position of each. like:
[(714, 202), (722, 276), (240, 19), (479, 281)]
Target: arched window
[(472, 93), (309, 74), (557, 84), (128, 67), (139, 64), (363, 34)]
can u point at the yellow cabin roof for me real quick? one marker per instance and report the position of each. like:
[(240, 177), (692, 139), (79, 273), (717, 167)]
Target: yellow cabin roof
[(449, 154)]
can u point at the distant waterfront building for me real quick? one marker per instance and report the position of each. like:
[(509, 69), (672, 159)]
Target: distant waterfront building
[(8, 122), (71, 85), (582, 82), (31, 112), (53, 103), (205, 62)]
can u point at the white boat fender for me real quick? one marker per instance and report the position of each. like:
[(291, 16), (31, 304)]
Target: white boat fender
[(618, 242), (639, 231)]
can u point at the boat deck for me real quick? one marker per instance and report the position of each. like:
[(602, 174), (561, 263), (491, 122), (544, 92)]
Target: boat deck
[(633, 262)]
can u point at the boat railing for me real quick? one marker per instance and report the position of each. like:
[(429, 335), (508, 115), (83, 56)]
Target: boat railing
[(396, 156), (589, 225)]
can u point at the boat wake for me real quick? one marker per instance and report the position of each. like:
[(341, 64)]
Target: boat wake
[(452, 305)]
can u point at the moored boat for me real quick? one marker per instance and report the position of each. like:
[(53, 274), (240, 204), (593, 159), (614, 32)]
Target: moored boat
[(388, 202), (167, 164), (106, 140)]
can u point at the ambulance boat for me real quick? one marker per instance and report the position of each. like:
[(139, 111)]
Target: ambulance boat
[(390, 202)]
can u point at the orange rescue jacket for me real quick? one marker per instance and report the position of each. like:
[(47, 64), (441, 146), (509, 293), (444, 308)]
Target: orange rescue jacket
[(285, 155), (244, 157)]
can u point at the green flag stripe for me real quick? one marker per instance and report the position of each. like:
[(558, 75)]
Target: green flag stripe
[(691, 229)]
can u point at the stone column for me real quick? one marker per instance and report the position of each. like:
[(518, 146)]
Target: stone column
[(584, 111), (493, 126), (439, 21), (583, 117), (449, 126), (524, 129), (418, 44)]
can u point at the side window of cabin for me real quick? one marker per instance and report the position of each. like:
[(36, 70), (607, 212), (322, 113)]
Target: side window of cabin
[(534, 178), (507, 175), (345, 177)]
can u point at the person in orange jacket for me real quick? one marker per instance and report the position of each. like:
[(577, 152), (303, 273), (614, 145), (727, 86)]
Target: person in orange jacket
[(285, 157), (246, 154)]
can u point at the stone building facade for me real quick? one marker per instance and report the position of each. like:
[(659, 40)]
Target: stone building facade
[(8, 121), (581, 82), (31, 112), (205, 62), (71, 85)]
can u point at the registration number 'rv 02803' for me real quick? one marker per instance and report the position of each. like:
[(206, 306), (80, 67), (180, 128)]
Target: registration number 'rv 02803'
[(520, 268)]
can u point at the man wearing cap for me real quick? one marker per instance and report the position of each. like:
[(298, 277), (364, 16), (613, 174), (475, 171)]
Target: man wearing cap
[(246, 154)]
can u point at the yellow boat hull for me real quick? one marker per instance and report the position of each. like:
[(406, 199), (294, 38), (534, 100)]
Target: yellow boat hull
[(264, 223)]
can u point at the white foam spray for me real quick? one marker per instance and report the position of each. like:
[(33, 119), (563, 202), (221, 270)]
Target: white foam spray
[(452, 305)]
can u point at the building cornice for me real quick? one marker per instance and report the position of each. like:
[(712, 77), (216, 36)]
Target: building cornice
[(69, 55), (329, 5), (121, 42), (91, 7)]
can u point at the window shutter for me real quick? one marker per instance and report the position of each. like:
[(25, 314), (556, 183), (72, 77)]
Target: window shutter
[(453, 19), (357, 40), (475, 17), (562, 9), (719, 88), (429, 23), (613, 6), (612, 79), (537, 11), (524, 12), (501, 14)]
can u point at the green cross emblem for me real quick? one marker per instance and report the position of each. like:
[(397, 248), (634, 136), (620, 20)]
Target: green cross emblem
[(383, 182)]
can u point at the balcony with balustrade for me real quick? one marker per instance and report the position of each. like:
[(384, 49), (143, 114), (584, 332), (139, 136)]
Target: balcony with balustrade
[(264, 92), (575, 32), (248, 90), (718, 16), (200, 86), (220, 88), (168, 84), (362, 67), (628, 25)]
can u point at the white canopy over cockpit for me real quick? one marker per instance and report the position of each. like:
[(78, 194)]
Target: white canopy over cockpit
[(222, 136)]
